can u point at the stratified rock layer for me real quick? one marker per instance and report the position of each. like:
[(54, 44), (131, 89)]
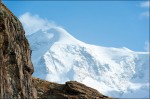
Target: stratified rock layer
[(15, 62), (70, 90)]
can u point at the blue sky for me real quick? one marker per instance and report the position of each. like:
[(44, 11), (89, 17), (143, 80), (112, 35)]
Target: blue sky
[(104, 23)]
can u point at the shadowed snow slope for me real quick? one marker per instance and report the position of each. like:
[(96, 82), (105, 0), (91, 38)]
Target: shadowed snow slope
[(117, 72)]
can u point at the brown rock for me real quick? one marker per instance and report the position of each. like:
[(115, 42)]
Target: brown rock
[(70, 90), (15, 62)]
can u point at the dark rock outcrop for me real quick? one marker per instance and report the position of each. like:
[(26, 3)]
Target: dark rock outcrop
[(15, 62), (69, 90)]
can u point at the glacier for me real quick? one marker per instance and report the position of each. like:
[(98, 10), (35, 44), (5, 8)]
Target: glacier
[(118, 72)]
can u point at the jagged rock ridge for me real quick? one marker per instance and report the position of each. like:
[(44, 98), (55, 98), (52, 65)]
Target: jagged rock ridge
[(15, 63), (69, 90)]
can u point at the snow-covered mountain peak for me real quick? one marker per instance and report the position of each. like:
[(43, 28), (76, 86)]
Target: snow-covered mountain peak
[(59, 57), (54, 35), (117, 72)]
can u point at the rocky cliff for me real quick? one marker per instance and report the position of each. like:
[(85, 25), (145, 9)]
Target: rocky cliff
[(16, 68), (15, 62)]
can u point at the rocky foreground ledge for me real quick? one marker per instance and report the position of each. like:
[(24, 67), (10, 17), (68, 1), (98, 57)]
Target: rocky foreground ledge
[(16, 81), (69, 90)]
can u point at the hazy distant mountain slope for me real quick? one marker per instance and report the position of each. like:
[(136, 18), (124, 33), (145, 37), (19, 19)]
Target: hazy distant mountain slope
[(117, 72)]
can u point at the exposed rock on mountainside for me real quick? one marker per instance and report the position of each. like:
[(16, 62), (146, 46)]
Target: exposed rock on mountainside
[(69, 90), (59, 57), (15, 62)]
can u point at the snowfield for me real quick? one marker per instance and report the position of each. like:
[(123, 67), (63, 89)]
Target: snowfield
[(117, 72)]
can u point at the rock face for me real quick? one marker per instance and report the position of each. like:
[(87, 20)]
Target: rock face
[(15, 62), (70, 90)]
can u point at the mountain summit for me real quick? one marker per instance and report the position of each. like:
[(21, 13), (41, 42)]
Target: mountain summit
[(117, 72)]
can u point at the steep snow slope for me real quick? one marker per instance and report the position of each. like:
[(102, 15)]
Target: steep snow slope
[(117, 72)]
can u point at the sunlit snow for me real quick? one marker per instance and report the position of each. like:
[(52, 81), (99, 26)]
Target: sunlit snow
[(116, 72)]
